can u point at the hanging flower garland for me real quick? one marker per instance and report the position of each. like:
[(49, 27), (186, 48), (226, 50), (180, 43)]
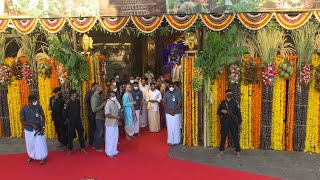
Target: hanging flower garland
[(215, 122), (256, 106), (91, 69), (44, 86), (181, 23), (278, 111), (312, 126), (256, 21), (147, 25), (82, 25), (24, 26), (291, 100), (305, 74), (290, 23), (114, 24), (4, 24), (5, 75), (52, 25), (317, 78), (234, 74), (269, 74), (84, 111), (217, 23)]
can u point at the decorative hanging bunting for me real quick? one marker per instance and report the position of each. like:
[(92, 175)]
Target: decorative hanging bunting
[(82, 25), (114, 24), (181, 23), (292, 21), (3, 24), (25, 26), (317, 15), (147, 25), (217, 22), (52, 25), (254, 21)]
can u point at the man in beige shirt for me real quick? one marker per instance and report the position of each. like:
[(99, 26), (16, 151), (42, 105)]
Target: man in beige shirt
[(111, 124)]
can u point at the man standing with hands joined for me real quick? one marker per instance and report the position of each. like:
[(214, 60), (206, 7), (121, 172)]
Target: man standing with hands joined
[(138, 97), (112, 123), (172, 102), (97, 107), (230, 115)]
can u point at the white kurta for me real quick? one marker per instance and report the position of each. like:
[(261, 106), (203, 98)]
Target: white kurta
[(111, 140), (144, 116), (153, 114), (36, 145), (137, 123), (173, 128), (154, 95)]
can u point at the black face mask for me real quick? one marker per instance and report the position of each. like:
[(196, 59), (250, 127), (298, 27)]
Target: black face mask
[(229, 96), (60, 94)]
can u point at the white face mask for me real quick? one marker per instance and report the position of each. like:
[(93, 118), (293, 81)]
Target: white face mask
[(171, 89), (115, 90), (35, 103), (114, 83), (135, 88), (131, 81), (113, 98), (117, 77)]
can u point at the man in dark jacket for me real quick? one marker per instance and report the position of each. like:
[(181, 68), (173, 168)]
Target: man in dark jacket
[(90, 114), (72, 112), (230, 115), (56, 107)]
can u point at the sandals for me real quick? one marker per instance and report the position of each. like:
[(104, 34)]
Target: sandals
[(29, 160), (42, 162)]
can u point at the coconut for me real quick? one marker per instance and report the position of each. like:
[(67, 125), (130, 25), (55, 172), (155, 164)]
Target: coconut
[(282, 73), (284, 66), (286, 76)]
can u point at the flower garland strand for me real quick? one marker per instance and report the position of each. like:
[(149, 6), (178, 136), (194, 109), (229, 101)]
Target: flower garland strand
[(256, 107), (44, 87), (245, 107), (278, 105), (189, 111), (214, 117), (91, 69), (312, 127), (290, 111), (184, 63), (84, 111)]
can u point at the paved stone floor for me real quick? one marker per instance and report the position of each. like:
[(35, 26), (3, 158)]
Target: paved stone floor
[(281, 164)]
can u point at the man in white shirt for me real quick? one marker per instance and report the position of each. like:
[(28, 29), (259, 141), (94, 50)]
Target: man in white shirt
[(149, 75), (153, 99), (144, 116)]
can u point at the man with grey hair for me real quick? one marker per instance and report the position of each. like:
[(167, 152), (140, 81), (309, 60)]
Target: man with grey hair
[(97, 107)]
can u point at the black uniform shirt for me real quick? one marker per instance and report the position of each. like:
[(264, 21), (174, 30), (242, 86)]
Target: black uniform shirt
[(232, 105), (56, 106), (73, 110)]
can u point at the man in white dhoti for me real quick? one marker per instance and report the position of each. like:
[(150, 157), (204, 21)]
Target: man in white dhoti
[(111, 124), (144, 116), (153, 99), (33, 120), (172, 103), (138, 98)]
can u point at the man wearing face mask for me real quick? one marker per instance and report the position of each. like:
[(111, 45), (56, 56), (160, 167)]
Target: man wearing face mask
[(56, 106), (172, 102), (113, 88), (33, 120), (144, 116), (132, 80), (98, 108), (230, 115), (149, 75), (128, 112), (138, 98), (72, 112)]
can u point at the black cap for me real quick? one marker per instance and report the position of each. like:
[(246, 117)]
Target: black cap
[(57, 89)]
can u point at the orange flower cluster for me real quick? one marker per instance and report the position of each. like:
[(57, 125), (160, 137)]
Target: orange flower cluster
[(222, 87)]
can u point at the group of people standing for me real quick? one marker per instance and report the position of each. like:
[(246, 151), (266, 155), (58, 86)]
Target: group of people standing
[(131, 103)]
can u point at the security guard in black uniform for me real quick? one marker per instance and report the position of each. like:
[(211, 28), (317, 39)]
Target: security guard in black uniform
[(230, 115)]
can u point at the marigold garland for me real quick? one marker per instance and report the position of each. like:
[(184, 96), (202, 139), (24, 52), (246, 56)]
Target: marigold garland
[(84, 111), (312, 126), (215, 122), (44, 86), (14, 108), (184, 100), (256, 107), (278, 111), (91, 69)]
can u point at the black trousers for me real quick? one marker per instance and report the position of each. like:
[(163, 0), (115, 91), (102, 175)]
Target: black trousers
[(226, 125), (73, 126), (61, 130), (98, 136), (92, 127)]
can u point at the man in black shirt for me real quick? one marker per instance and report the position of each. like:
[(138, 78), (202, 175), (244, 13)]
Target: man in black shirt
[(90, 114), (72, 112), (230, 115), (56, 107)]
